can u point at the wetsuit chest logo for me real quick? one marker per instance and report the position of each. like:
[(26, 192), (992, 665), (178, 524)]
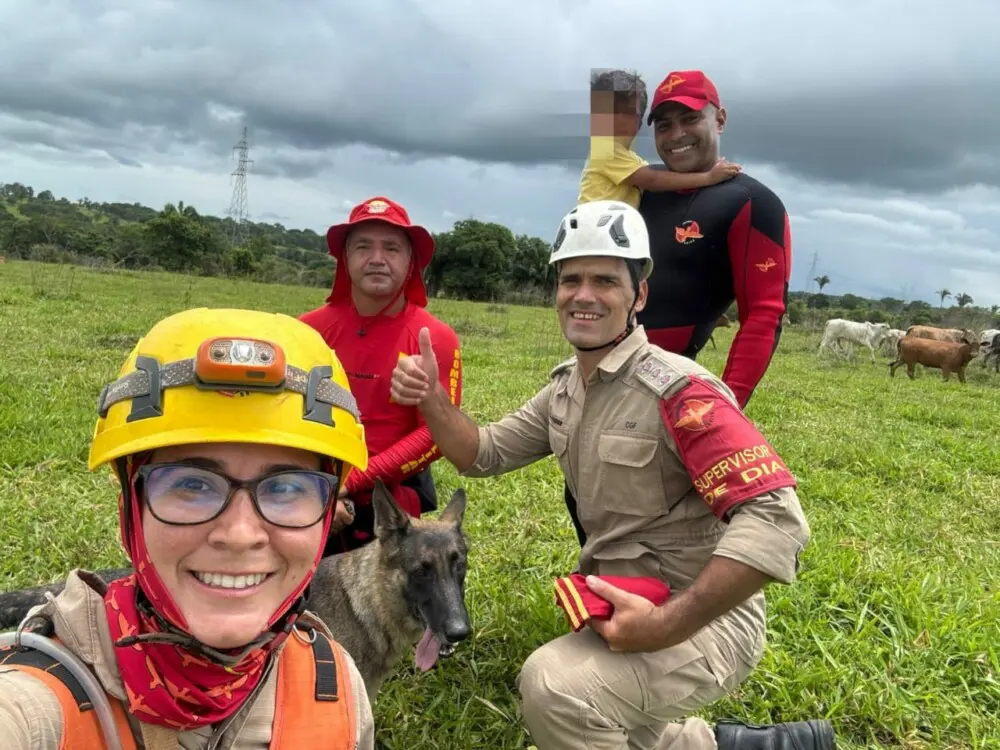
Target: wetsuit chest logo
[(687, 232)]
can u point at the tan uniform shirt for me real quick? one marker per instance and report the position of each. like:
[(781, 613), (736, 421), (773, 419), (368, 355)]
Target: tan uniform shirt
[(31, 717), (649, 447)]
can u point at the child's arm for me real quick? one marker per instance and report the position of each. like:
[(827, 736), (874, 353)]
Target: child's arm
[(657, 180)]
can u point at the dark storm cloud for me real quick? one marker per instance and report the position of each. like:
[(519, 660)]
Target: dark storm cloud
[(919, 135), (866, 116), (396, 76)]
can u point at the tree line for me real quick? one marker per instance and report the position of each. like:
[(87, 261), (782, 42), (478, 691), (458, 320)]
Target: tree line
[(814, 309), (474, 260)]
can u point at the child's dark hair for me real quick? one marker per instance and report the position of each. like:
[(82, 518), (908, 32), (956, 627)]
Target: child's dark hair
[(626, 86)]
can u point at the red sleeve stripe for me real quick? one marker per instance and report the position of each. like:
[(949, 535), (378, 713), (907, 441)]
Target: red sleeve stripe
[(568, 599)]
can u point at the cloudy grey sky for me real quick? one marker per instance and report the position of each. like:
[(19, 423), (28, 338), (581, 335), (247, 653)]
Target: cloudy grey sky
[(876, 121)]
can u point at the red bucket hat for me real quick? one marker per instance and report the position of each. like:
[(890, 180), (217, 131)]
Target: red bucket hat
[(382, 209)]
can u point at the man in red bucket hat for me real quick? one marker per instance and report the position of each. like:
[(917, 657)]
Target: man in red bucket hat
[(371, 318)]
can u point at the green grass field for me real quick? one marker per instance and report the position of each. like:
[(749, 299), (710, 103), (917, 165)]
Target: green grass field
[(891, 630)]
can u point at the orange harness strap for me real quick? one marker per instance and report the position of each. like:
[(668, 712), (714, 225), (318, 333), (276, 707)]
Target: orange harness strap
[(314, 702), (81, 727), (314, 705)]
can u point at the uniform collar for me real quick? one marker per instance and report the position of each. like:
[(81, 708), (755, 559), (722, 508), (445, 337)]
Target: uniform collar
[(347, 309), (609, 367), (615, 360)]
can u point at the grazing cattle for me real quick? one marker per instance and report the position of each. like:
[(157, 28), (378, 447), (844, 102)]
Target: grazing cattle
[(992, 351), (891, 339), (957, 335), (864, 334), (947, 356)]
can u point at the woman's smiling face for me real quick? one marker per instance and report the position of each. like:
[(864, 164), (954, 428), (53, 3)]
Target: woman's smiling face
[(228, 576)]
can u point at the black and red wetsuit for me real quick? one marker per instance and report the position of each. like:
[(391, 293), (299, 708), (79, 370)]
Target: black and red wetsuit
[(711, 246)]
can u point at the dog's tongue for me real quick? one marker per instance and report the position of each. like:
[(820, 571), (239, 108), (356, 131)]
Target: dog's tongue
[(427, 651)]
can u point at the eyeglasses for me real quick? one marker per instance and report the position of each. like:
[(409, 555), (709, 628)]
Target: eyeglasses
[(184, 495)]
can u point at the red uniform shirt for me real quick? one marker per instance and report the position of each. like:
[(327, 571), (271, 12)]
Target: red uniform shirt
[(399, 442)]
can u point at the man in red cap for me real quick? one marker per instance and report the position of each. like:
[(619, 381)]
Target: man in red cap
[(712, 245), (371, 318)]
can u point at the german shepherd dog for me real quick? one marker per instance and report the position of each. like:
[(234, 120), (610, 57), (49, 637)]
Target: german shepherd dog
[(406, 588)]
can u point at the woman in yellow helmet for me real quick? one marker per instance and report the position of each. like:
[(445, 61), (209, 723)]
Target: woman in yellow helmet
[(230, 432)]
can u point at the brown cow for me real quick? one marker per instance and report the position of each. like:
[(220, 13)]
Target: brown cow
[(946, 356), (958, 335)]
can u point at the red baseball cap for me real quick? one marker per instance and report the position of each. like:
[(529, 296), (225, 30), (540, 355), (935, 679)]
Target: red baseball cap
[(382, 209), (692, 88)]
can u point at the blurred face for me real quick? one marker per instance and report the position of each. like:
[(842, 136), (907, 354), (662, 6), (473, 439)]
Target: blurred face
[(686, 140), (378, 259), (229, 575), (593, 297), (609, 117)]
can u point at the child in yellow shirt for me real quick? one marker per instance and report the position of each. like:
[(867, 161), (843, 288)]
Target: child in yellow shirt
[(613, 170)]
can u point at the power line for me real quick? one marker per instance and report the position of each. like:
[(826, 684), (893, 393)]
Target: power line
[(238, 211)]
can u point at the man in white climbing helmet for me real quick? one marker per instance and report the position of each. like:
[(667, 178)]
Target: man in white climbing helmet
[(688, 513)]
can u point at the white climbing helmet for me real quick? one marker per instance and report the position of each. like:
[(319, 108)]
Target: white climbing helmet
[(603, 228)]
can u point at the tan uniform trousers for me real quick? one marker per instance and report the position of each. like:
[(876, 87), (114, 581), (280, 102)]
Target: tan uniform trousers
[(577, 694)]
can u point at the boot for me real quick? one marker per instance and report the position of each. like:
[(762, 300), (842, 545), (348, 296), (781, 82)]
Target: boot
[(815, 734)]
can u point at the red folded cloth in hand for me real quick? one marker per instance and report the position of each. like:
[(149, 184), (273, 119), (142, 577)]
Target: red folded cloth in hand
[(581, 604)]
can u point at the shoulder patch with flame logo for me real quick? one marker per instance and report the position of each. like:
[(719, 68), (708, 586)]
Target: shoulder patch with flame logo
[(727, 458)]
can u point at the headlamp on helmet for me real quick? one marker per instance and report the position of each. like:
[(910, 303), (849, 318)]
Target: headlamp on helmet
[(205, 376)]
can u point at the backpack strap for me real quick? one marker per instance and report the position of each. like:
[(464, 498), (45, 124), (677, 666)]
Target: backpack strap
[(33, 661), (314, 702), (48, 661)]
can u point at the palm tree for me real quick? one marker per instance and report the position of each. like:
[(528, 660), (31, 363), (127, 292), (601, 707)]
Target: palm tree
[(822, 281), (963, 299), (942, 293)]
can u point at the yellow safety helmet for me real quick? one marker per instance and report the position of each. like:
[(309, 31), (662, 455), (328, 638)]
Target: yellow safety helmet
[(226, 375)]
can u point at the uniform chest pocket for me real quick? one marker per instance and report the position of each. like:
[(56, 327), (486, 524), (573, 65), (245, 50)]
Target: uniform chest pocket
[(558, 441), (629, 474)]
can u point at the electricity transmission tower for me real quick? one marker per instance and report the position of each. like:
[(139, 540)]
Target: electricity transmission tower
[(812, 272), (238, 211)]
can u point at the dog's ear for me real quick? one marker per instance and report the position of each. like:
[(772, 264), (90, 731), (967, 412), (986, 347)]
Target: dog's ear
[(389, 517), (455, 510)]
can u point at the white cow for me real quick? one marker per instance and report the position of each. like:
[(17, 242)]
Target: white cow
[(864, 334), (985, 342), (891, 340), (992, 351)]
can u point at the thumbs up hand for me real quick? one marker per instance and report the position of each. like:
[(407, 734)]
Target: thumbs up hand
[(416, 375)]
